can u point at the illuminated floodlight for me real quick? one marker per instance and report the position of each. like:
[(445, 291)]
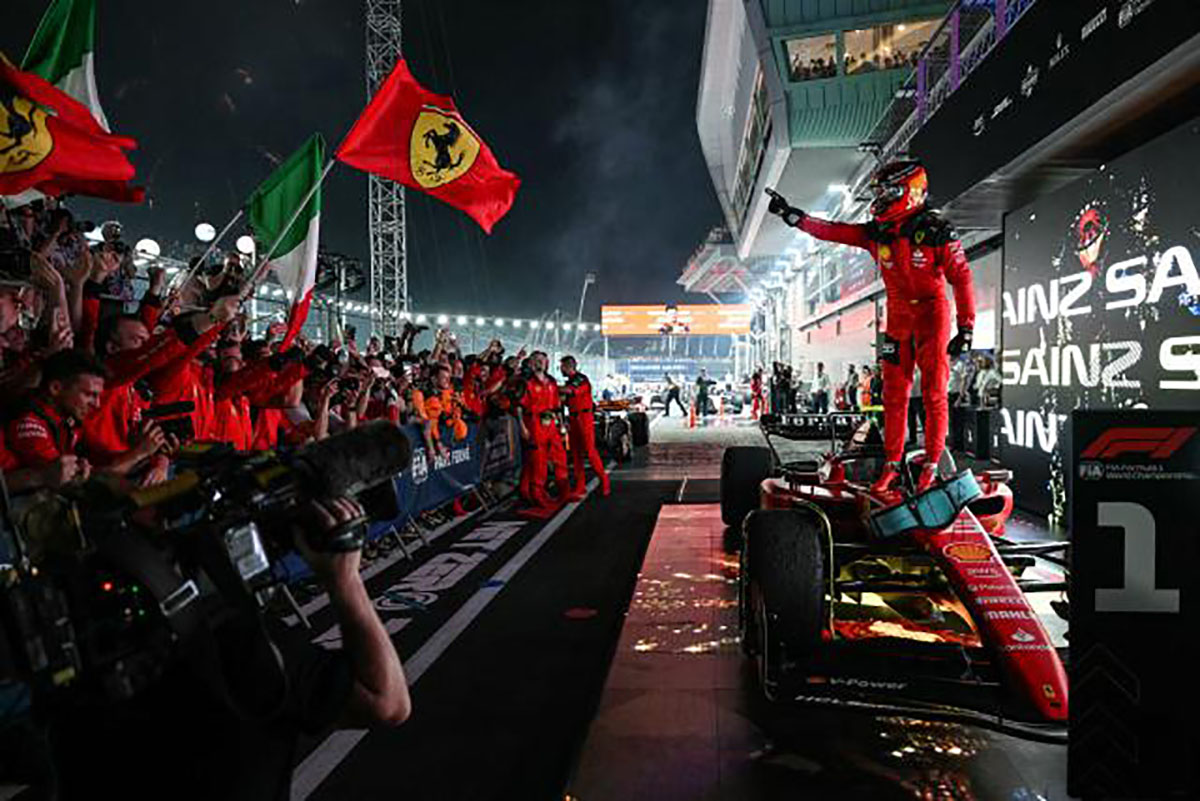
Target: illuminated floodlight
[(499, 322), (422, 319), (461, 320), (245, 245), (480, 321), (442, 319), (534, 324), (147, 247), (567, 326), (404, 315), (205, 232), (517, 324), (549, 326)]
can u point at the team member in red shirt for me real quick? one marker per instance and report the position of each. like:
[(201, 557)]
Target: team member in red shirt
[(916, 252), (540, 408), (581, 430), (72, 382)]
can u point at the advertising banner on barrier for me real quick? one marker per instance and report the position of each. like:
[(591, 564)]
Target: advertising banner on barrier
[(436, 479), (1135, 605), (499, 447), (1101, 306)]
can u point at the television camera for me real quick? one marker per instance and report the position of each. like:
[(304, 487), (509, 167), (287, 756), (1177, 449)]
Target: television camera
[(105, 588)]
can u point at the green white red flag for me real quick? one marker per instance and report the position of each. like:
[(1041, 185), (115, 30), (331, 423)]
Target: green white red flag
[(276, 202)]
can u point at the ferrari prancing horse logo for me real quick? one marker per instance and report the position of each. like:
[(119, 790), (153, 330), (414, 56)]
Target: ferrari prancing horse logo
[(25, 141), (442, 148)]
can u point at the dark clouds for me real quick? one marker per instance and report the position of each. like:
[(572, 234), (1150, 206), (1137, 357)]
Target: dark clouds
[(592, 103)]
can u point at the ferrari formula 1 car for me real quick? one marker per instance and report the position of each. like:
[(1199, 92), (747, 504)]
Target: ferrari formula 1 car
[(899, 604)]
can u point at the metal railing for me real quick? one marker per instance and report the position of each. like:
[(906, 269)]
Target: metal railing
[(967, 35)]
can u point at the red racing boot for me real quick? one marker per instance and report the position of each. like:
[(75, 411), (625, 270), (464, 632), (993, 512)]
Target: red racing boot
[(929, 475), (889, 480)]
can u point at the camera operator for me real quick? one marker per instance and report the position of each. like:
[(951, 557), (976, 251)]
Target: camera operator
[(179, 740)]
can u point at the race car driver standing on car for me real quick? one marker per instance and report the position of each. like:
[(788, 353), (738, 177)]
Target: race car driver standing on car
[(581, 430), (915, 250)]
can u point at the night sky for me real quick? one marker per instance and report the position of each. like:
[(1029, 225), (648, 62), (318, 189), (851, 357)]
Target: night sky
[(591, 102)]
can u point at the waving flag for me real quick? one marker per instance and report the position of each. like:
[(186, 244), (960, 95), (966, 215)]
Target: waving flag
[(62, 52), (419, 139), (273, 204), (52, 143)]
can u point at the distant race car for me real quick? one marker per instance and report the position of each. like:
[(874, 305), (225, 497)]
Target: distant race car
[(912, 605)]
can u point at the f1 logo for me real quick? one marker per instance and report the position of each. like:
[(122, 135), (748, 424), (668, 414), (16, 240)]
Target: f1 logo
[(1158, 443)]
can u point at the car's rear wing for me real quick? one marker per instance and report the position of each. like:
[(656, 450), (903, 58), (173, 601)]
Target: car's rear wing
[(833, 426)]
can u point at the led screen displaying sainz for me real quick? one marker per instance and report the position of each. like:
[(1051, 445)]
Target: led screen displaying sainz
[(1101, 305)]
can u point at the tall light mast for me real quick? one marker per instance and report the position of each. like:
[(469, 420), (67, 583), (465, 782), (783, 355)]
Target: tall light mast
[(385, 200)]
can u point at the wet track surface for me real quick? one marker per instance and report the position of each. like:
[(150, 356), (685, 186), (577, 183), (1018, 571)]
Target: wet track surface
[(597, 652)]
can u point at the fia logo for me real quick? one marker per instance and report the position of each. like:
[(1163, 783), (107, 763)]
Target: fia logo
[(1091, 471), (420, 466)]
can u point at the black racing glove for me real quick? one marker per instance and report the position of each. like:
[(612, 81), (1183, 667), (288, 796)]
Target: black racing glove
[(779, 206), (960, 343)]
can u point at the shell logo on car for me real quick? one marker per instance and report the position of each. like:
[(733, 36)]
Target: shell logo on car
[(968, 552)]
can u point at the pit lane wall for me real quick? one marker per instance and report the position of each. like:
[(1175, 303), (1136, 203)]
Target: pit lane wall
[(1100, 307), (491, 450)]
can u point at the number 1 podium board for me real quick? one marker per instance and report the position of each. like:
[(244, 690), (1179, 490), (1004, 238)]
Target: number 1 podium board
[(1135, 605)]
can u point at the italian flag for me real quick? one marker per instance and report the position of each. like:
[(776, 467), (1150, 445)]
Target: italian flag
[(292, 253), (63, 52)]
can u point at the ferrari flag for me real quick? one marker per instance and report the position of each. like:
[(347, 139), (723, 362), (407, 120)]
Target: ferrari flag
[(52, 143), (272, 206), (419, 139)]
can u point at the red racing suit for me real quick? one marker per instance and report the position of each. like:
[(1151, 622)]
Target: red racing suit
[(41, 435), (915, 256), (540, 406), (581, 431)]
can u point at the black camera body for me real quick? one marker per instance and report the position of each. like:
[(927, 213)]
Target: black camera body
[(108, 588)]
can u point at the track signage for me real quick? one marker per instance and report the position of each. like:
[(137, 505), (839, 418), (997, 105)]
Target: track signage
[(1135, 604)]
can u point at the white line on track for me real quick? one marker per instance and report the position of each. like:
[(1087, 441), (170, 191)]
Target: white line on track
[(379, 565), (325, 758)]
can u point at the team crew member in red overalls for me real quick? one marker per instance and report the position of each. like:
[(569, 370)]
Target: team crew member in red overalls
[(916, 251), (758, 402), (581, 428), (539, 422)]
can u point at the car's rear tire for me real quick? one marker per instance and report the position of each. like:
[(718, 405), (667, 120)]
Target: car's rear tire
[(783, 600), (743, 470), (618, 439), (639, 425)]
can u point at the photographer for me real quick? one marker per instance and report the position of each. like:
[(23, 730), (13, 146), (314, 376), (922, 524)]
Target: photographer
[(179, 740)]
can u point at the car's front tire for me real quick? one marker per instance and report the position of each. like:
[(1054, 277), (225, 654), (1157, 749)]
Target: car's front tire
[(783, 589), (743, 470)]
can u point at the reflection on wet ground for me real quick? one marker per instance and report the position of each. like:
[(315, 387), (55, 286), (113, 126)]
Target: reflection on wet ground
[(682, 716)]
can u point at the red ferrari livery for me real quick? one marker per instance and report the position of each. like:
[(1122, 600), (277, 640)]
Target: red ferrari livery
[(913, 604)]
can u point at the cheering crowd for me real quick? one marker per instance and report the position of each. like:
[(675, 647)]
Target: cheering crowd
[(93, 381)]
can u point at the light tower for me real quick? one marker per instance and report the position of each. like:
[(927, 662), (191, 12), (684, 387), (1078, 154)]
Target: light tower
[(385, 199)]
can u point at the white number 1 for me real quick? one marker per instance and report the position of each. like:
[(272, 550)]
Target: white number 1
[(1139, 593)]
